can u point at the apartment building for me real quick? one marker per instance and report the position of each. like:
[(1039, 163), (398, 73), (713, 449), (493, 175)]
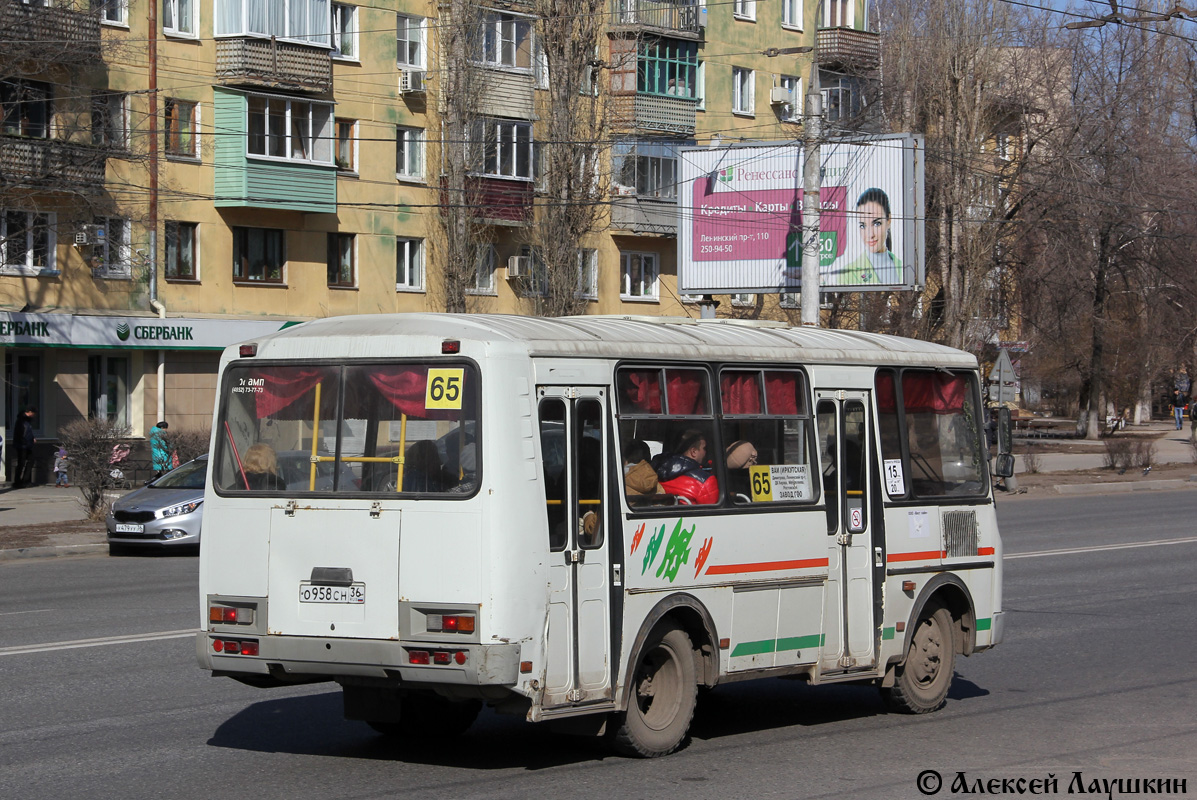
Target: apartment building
[(180, 175)]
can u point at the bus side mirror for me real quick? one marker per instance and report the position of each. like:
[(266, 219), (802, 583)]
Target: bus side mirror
[(1004, 465)]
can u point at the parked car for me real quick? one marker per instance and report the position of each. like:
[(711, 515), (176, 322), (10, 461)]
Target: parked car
[(166, 512)]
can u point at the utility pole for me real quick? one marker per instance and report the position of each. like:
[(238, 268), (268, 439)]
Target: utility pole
[(812, 132)]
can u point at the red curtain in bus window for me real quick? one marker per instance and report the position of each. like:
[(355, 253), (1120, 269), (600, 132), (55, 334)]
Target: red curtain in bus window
[(886, 402), (686, 389), (406, 389), (933, 392), (781, 393), (283, 386), (642, 389), (740, 392)]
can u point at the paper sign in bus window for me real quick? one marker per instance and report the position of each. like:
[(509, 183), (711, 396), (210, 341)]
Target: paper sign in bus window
[(895, 483), (780, 483), (444, 388)]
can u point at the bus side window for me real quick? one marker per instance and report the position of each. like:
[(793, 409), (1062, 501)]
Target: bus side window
[(552, 446), (588, 420), (828, 431)]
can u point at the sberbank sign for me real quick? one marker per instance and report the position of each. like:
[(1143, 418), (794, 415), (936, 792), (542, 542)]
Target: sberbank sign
[(23, 328), (172, 333)]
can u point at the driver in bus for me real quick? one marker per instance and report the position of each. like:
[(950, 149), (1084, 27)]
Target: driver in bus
[(682, 472)]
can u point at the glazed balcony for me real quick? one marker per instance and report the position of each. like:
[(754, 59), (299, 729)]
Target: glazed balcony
[(271, 64), (50, 163), (845, 48)]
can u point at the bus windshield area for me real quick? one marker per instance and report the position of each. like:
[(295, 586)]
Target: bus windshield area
[(380, 429)]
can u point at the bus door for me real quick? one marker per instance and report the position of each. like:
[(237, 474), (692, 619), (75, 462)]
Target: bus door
[(848, 618), (574, 440)]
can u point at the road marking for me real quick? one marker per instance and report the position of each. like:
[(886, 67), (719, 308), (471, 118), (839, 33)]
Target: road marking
[(1099, 548), (31, 611), (106, 640)]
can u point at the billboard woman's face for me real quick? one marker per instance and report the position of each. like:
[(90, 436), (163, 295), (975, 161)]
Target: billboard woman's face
[(874, 226)]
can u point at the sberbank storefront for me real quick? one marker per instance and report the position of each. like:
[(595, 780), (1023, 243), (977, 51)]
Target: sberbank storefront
[(132, 369)]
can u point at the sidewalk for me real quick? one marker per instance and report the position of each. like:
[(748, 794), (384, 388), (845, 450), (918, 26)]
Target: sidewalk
[(41, 505)]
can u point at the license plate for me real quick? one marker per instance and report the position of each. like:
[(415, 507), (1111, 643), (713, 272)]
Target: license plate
[(129, 527), (309, 593)]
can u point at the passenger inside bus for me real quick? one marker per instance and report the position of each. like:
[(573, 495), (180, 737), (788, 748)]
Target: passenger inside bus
[(422, 471), (739, 456), (261, 469), (639, 477), (683, 473)]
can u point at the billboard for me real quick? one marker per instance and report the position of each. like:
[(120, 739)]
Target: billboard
[(740, 216)]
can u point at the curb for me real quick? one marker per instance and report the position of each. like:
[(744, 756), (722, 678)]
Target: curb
[(1122, 487), (51, 551)]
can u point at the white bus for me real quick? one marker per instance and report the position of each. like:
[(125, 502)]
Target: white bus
[(432, 510)]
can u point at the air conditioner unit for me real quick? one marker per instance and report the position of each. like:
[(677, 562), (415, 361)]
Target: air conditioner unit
[(779, 95), (518, 266), (411, 82), (89, 235)]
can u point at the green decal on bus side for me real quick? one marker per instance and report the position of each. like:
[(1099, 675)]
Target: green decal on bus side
[(887, 633), (778, 645), (984, 623)]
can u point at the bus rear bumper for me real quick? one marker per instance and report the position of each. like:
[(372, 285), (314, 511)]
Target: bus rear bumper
[(298, 659)]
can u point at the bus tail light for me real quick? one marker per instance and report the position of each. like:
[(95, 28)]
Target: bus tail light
[(441, 657), (451, 623), (248, 350), (230, 615), (234, 647), (418, 657)]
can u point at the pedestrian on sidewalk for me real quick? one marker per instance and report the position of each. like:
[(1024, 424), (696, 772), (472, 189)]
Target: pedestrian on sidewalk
[(159, 449), (1180, 402), (60, 469), (23, 440)]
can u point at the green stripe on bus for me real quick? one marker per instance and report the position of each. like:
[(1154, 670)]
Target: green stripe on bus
[(983, 624), (887, 633), (778, 645)]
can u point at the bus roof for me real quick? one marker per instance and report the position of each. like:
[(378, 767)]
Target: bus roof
[(379, 335)]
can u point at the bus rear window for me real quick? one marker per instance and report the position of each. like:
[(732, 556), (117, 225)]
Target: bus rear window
[(380, 429)]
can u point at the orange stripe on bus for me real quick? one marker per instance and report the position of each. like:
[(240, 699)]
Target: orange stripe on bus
[(768, 566), (984, 551), (924, 556)]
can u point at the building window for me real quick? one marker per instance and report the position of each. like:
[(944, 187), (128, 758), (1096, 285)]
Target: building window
[(646, 168), (109, 119), (791, 13), (409, 153), (295, 130), (181, 128), (409, 265), (108, 388), (27, 241), (506, 148), (743, 300), (27, 108), (346, 146), (744, 9), (588, 274), (837, 13), (639, 272), (410, 42), (536, 282), (114, 12), (507, 41), (258, 255), (179, 17), (842, 97), (344, 31), (791, 111), (340, 259), (181, 251), (788, 299), (112, 254), (1002, 145), (308, 21), (484, 271), (667, 67), (743, 80)]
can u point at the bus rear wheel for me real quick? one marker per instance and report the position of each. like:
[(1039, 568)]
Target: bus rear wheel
[(663, 692), (429, 717), (921, 682)]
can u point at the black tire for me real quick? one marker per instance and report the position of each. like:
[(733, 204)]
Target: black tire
[(118, 550), (921, 682), (663, 692), (430, 717)]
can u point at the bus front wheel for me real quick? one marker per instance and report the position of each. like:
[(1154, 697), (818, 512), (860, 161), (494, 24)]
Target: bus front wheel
[(921, 682), (663, 692)]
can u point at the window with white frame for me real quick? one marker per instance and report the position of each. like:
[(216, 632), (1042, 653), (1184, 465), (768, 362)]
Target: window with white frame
[(112, 254), (506, 41), (639, 273), (788, 299), (791, 111), (27, 241), (409, 153), (409, 265), (588, 273), (181, 244), (791, 13), (700, 85), (837, 13), (744, 9), (180, 17), (410, 39), (344, 31), (180, 128), (110, 119), (843, 96), (536, 282), (307, 21), (646, 168), (112, 12), (742, 300), (506, 148), (484, 271), (743, 88), (346, 157), (294, 130)]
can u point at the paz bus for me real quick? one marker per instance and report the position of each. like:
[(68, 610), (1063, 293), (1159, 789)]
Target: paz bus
[(432, 511)]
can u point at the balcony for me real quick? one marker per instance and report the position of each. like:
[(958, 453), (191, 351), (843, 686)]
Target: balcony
[(644, 215), (654, 114), (27, 31), (502, 202), (670, 17), (848, 48), (50, 163), (271, 64)]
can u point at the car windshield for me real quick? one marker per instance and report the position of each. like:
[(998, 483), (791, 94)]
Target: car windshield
[(188, 476)]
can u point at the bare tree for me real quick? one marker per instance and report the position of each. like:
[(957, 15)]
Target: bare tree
[(89, 444)]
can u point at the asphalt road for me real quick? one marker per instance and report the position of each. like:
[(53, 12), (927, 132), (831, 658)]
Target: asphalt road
[(1096, 677)]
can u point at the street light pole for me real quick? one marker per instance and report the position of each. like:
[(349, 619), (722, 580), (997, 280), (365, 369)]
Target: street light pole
[(812, 132)]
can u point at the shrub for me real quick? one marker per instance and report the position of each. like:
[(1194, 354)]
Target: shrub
[(89, 444), (188, 444), (1118, 452)]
